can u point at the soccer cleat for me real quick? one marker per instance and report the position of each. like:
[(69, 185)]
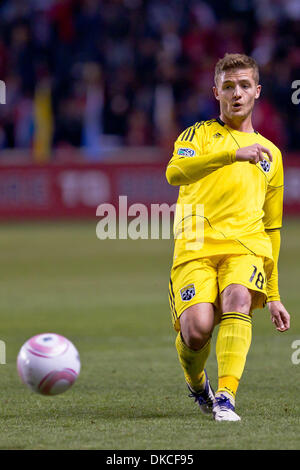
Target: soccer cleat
[(204, 398), (223, 408)]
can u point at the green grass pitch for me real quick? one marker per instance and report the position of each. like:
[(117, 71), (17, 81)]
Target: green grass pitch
[(110, 298)]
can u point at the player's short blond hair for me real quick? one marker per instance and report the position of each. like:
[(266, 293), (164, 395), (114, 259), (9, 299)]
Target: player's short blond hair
[(236, 61)]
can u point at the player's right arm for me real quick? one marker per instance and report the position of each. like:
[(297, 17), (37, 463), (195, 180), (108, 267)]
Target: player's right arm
[(190, 163), (253, 154)]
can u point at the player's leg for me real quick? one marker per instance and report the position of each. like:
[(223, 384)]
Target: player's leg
[(241, 280), (234, 336), (193, 342), (193, 289), (233, 342), (193, 348)]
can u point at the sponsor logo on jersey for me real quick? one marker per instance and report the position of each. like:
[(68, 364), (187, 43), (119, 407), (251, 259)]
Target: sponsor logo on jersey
[(265, 165), (218, 135), (186, 152), (188, 292)]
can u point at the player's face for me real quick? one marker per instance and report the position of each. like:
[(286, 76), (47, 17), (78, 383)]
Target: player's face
[(237, 92)]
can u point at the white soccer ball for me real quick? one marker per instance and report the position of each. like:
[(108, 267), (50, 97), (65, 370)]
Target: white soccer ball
[(48, 364)]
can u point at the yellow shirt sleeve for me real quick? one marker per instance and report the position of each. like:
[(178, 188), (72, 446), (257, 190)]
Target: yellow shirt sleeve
[(189, 163), (272, 283)]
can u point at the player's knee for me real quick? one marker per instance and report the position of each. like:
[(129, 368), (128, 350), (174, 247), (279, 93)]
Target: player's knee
[(195, 339), (196, 324), (195, 334), (236, 298)]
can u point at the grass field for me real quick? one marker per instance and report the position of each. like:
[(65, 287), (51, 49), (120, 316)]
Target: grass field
[(110, 298)]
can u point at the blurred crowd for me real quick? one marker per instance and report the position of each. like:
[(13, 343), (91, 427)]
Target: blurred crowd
[(90, 73)]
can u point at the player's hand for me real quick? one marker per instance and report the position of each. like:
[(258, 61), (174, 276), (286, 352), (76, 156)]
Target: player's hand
[(253, 154), (279, 316)]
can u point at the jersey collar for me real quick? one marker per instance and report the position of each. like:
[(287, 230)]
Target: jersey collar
[(222, 123)]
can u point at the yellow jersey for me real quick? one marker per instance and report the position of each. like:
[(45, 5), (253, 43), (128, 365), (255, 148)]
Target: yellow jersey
[(240, 200)]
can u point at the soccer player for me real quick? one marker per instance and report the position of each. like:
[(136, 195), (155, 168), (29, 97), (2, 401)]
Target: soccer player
[(235, 175)]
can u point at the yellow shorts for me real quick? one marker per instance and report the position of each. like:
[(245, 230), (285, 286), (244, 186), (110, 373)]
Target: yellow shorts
[(204, 279)]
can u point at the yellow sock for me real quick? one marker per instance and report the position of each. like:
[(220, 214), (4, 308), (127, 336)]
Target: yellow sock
[(192, 362), (228, 384), (233, 343)]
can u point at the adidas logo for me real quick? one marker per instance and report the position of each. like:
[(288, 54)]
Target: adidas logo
[(217, 135)]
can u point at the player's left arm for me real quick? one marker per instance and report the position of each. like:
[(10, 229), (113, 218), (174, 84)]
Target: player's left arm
[(279, 315), (273, 209)]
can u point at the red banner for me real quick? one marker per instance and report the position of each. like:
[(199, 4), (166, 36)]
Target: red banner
[(53, 191), (76, 190), (292, 185)]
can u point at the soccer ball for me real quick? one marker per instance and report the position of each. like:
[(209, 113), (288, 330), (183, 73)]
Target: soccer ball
[(48, 364)]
